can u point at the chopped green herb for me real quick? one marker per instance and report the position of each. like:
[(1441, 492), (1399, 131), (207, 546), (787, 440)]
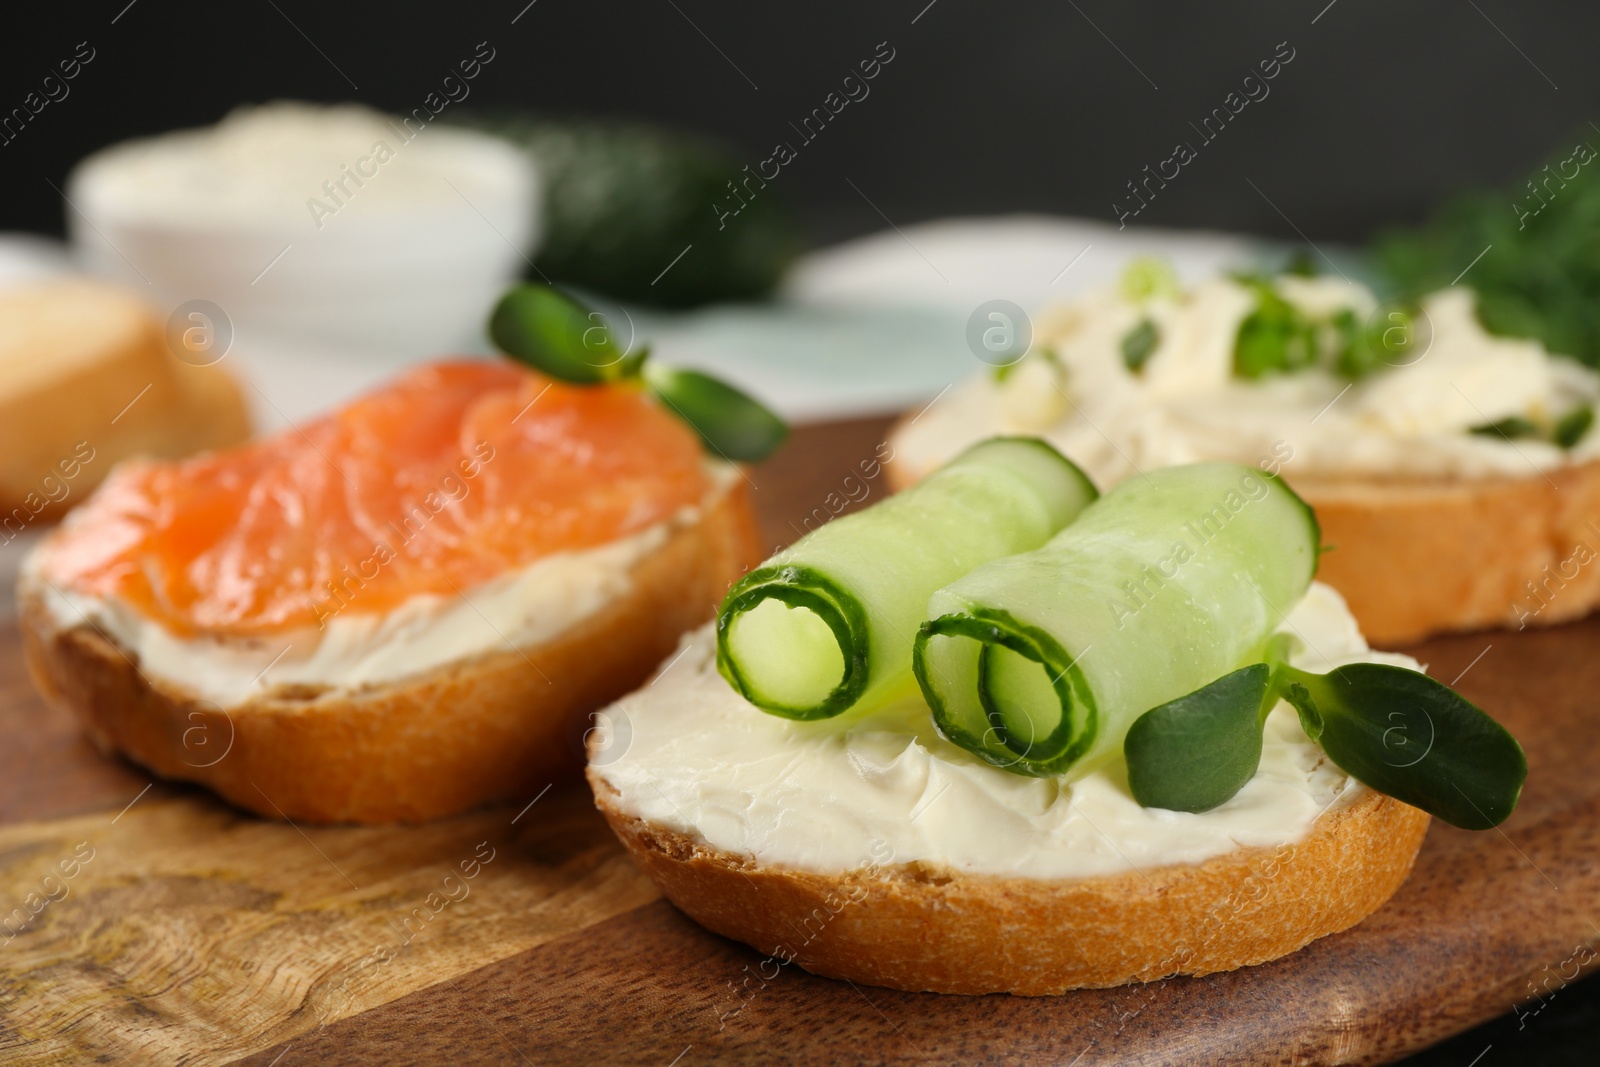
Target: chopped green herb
[(1512, 428), (1140, 344), (1002, 371), (1395, 338), (1353, 357), (1390, 340), (1573, 426), (1147, 277), (1567, 431), (1275, 337)]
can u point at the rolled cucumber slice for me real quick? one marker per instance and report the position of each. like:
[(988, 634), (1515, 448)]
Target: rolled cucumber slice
[(1042, 661), (828, 624)]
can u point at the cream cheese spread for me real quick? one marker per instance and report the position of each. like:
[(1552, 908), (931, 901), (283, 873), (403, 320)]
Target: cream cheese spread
[(294, 165), (1186, 405), (689, 753), (354, 650)]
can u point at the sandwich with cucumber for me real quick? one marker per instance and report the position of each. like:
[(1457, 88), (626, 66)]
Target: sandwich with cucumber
[(1000, 733), (1455, 472)]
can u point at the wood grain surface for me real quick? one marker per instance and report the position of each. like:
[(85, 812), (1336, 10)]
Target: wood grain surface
[(189, 932)]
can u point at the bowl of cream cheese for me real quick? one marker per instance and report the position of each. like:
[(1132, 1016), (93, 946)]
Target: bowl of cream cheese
[(335, 225)]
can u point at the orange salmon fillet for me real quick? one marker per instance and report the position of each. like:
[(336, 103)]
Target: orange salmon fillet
[(456, 473)]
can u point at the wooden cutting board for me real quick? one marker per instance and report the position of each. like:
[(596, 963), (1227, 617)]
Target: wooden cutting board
[(171, 928)]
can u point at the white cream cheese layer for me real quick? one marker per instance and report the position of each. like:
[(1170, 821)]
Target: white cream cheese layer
[(353, 650), (689, 753), (1186, 405)]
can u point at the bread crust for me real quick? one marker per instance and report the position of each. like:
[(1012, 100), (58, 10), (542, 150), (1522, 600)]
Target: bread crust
[(919, 929), (496, 727), (1414, 557)]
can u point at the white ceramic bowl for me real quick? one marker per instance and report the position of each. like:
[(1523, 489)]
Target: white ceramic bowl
[(292, 220)]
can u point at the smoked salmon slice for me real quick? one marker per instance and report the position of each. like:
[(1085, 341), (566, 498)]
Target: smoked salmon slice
[(456, 473)]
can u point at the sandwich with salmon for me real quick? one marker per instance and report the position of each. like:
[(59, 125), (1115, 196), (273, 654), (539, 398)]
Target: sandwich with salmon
[(998, 733), (406, 608)]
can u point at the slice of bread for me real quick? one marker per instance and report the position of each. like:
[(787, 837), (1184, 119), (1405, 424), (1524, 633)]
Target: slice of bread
[(914, 928), (86, 379), (498, 726), (1418, 557), (1422, 557)]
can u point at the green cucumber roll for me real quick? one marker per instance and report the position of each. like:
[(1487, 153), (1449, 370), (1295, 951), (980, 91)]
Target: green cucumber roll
[(828, 624), (1040, 661)]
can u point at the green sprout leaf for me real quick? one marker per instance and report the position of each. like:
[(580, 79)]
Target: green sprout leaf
[(551, 332), (1404, 734), (1573, 426), (1139, 344), (1196, 752), (556, 334), (731, 423), (1397, 730), (1510, 428)]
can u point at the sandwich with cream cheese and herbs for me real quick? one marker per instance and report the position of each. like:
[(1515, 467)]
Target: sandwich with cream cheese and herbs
[(1456, 473)]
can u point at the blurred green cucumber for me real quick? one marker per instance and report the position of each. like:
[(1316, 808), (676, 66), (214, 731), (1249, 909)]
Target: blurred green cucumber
[(623, 199)]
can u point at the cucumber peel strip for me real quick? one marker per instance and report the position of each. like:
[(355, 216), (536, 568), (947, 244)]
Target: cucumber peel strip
[(1394, 729)]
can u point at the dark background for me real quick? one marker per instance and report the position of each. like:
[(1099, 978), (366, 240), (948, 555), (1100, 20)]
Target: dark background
[(987, 107)]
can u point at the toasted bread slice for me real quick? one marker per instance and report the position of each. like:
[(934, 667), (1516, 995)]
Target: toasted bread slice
[(86, 379), (914, 928), (494, 727)]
